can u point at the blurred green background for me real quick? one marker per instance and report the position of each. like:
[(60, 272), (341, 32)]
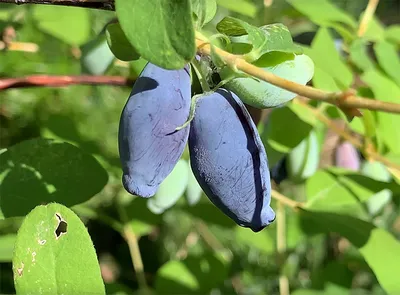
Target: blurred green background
[(191, 247)]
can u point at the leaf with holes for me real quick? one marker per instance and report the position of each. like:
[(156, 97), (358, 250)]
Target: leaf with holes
[(55, 255), (161, 31), (40, 171), (204, 11), (269, 38)]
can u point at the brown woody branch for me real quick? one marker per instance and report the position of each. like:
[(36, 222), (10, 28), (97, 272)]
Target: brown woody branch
[(61, 81), (97, 4)]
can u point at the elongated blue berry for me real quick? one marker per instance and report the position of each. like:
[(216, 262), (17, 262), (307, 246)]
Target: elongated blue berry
[(229, 161), (149, 146)]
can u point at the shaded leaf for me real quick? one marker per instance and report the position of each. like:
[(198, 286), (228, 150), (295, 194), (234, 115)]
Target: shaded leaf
[(281, 122), (40, 171), (377, 246), (119, 44)]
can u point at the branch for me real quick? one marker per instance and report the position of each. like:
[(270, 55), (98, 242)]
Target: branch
[(344, 100), (285, 200), (61, 81), (97, 4), (368, 14), (349, 137)]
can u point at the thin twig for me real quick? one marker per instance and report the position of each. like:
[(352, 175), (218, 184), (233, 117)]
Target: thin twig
[(97, 4), (212, 242), (281, 247), (132, 241), (341, 99), (61, 81), (19, 46), (368, 14), (348, 136), (133, 244), (285, 200), (345, 100)]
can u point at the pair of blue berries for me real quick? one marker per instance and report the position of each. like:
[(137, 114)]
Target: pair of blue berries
[(227, 156)]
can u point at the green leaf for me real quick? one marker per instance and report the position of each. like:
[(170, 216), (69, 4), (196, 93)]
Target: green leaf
[(359, 55), (260, 94), (269, 38), (323, 12), (378, 247), (302, 161), (193, 190), (71, 25), (40, 171), (7, 247), (96, 56), (281, 123), (194, 275), (385, 90), (327, 60), (375, 30), (243, 7), (262, 241), (388, 58), (119, 44), (337, 189), (171, 189), (377, 171), (161, 30), (204, 11), (392, 34), (55, 255)]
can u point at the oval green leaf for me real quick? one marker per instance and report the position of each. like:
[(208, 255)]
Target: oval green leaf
[(171, 189), (119, 44), (161, 31), (378, 247), (69, 24), (41, 171), (55, 255)]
